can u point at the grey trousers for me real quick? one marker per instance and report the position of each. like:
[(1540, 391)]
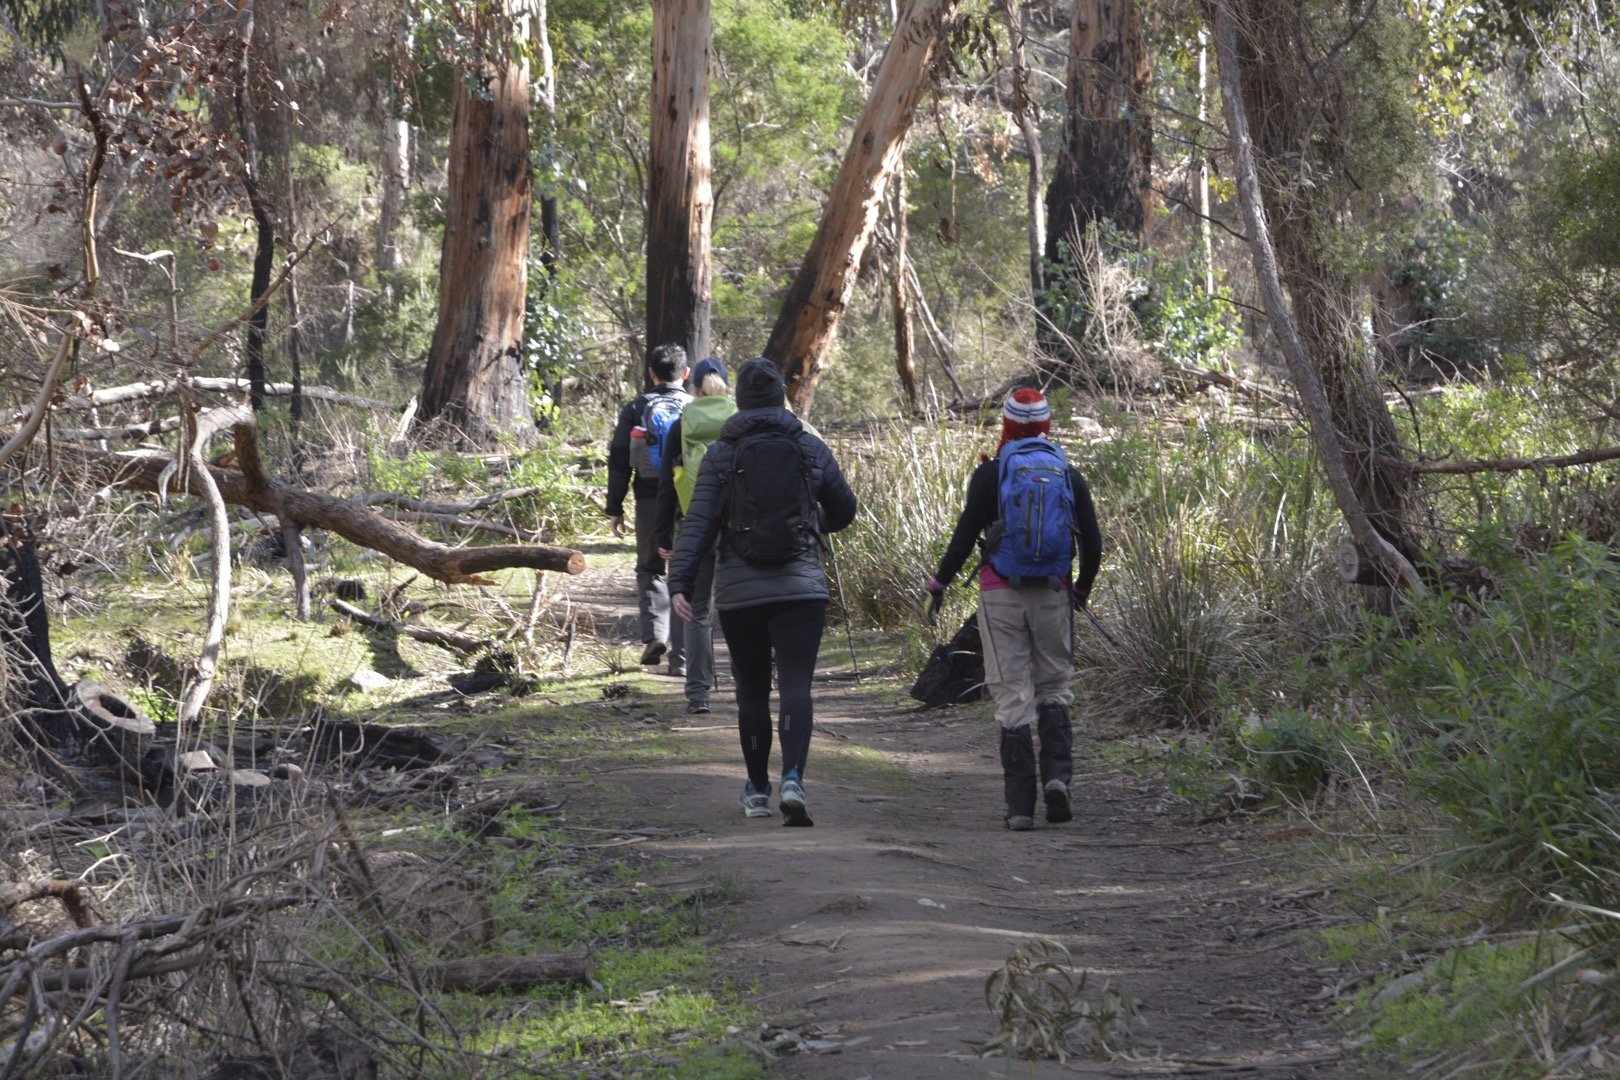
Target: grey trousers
[(1028, 650), (652, 587), (700, 677)]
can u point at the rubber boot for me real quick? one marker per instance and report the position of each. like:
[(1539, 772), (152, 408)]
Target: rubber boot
[(1057, 760), (1018, 777)]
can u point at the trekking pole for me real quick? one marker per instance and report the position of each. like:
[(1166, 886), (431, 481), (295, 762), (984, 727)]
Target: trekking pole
[(1101, 629), (849, 634)]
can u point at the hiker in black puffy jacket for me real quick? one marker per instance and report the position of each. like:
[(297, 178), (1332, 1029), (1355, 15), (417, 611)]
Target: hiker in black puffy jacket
[(1026, 625), (630, 472), (778, 609)]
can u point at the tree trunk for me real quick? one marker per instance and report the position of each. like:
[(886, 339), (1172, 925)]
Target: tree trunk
[(905, 353), (680, 202), (396, 182), (1331, 369), (816, 300), (1105, 160), (476, 383), (1024, 111), (264, 255)]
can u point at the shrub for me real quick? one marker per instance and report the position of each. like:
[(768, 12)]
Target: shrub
[(1514, 710)]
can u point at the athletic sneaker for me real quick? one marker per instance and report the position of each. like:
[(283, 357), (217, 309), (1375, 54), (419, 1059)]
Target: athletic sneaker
[(795, 810), (697, 705), (677, 671), (1020, 822), (755, 803), (654, 652)]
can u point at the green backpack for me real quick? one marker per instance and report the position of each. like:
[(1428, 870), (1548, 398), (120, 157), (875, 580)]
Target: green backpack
[(701, 422)]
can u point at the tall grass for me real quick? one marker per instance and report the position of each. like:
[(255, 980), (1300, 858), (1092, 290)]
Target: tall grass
[(910, 481), (1217, 574)]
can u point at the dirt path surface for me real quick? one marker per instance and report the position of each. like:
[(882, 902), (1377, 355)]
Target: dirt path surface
[(874, 931)]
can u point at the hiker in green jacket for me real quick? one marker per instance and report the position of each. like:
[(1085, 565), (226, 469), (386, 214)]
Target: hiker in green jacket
[(699, 425)]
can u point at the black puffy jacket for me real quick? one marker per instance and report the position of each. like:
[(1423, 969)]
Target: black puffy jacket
[(737, 583)]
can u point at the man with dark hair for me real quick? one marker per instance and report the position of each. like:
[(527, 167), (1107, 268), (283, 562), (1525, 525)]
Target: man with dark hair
[(635, 456)]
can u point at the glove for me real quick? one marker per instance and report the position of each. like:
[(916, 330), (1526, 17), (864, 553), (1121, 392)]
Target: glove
[(936, 600), (1078, 595)]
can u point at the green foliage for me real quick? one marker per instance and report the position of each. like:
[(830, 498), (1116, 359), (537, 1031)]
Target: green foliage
[(562, 509), (1454, 1005), (1036, 999), (1514, 711), (1188, 326), (1295, 752), (555, 330)]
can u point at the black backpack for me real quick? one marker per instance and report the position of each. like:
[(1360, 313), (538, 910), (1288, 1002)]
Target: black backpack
[(770, 511)]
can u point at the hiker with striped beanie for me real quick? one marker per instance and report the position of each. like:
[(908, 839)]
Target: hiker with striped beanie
[(1030, 512)]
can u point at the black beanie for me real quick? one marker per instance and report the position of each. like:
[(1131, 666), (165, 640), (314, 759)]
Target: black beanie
[(759, 385)]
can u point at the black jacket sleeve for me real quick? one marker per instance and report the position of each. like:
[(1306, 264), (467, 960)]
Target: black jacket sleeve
[(979, 511), (835, 497), (1086, 532), (667, 509), (619, 458)]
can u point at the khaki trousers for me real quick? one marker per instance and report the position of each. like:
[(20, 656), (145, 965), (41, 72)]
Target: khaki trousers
[(1028, 651)]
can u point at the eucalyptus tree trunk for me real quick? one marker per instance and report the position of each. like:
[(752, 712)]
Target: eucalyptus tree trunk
[(1025, 113), (1104, 164), (1269, 119), (396, 182), (264, 254), (476, 383), (680, 202), (815, 301)]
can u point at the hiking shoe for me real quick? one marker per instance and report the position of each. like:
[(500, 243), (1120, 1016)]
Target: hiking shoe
[(697, 705), (677, 671), (1020, 822), (1058, 809), (654, 652), (754, 802), (795, 810)]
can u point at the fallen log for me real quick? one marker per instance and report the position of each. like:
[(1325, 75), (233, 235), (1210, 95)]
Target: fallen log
[(137, 470), (141, 391), (449, 639), (493, 974)]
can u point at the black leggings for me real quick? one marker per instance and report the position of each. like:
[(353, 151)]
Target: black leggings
[(792, 631)]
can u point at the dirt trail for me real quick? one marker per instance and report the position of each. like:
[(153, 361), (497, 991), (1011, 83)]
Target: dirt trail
[(877, 928)]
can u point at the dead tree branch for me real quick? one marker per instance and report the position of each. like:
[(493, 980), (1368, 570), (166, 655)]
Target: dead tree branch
[(1514, 464), (142, 471), (449, 639)]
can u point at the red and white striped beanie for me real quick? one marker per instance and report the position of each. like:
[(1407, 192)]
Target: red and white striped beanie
[(1025, 415)]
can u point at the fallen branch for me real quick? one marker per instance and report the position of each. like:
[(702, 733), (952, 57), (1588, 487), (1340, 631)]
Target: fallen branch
[(194, 927), (493, 974), (483, 502), (141, 391), (141, 471), (458, 521), (449, 639), (1515, 464)]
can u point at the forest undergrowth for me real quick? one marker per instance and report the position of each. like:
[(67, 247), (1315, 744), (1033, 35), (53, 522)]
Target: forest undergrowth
[(1453, 762)]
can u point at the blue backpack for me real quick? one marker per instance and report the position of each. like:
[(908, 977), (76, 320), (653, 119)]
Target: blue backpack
[(1034, 538), (658, 414)]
